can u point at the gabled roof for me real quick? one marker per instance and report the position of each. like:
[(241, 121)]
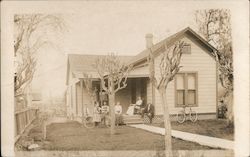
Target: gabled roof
[(143, 55), (78, 63)]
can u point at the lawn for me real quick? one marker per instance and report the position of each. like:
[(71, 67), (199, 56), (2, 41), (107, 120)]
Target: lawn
[(213, 128), (72, 136)]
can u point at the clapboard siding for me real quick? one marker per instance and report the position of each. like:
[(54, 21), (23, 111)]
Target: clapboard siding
[(79, 98), (73, 99), (198, 61), (85, 98)]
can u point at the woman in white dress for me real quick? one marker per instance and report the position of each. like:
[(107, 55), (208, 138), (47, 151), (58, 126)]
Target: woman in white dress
[(118, 114), (131, 109), (97, 114)]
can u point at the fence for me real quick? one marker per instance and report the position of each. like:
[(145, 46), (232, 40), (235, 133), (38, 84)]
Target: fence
[(23, 119)]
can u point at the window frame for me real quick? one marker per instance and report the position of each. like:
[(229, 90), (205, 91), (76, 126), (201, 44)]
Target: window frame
[(186, 73), (189, 52)]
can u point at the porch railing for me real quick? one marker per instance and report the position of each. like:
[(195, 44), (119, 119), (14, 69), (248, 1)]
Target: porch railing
[(23, 119)]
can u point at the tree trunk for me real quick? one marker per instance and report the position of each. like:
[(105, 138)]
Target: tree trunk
[(167, 124), (229, 102), (112, 113)]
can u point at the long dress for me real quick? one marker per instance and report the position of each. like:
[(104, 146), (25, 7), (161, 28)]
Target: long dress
[(96, 115), (130, 110), (118, 114)]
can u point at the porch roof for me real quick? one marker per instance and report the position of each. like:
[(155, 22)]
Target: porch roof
[(83, 63)]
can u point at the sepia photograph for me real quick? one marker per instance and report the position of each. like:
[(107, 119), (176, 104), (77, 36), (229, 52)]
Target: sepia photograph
[(125, 78)]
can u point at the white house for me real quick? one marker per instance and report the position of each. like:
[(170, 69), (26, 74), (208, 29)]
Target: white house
[(195, 84)]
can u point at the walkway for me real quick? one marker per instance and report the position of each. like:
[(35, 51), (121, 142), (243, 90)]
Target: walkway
[(201, 139)]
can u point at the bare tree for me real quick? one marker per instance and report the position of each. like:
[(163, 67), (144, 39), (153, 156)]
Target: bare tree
[(87, 79), (214, 25), (169, 67), (113, 74), (30, 35)]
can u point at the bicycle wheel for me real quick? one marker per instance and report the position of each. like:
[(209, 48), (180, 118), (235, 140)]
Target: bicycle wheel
[(193, 116), (88, 122), (181, 117)]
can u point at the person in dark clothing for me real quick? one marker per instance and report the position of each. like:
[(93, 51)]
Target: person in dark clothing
[(149, 110)]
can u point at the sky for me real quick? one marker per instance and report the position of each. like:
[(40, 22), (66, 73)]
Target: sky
[(102, 27)]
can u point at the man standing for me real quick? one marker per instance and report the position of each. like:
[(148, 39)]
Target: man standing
[(149, 111)]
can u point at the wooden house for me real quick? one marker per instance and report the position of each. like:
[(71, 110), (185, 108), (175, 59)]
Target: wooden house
[(195, 84)]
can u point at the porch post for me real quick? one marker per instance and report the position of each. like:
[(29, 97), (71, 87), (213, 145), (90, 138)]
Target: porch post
[(153, 94), (81, 84), (100, 93)]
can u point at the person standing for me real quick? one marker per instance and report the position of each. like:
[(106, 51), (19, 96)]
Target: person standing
[(105, 113), (97, 114), (118, 113)]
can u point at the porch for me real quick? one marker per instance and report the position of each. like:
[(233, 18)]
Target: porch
[(136, 87)]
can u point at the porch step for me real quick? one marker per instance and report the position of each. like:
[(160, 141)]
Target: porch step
[(132, 119)]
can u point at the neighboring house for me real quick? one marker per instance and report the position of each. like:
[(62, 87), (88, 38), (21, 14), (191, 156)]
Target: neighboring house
[(195, 84), (37, 100)]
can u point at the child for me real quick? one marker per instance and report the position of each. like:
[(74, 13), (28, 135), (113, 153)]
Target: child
[(96, 115)]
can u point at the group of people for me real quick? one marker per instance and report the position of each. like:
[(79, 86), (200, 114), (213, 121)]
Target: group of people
[(101, 113), (140, 108)]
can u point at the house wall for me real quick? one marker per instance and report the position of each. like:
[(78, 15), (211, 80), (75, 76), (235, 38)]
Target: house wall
[(73, 99), (198, 61), (68, 102), (82, 97)]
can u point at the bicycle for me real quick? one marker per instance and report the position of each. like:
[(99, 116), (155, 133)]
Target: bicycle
[(182, 115), (88, 121)]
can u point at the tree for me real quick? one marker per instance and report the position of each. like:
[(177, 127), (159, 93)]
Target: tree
[(214, 25), (113, 75), (29, 36), (87, 79), (169, 67)]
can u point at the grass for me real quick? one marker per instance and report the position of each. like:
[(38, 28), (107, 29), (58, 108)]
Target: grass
[(72, 136), (213, 128)]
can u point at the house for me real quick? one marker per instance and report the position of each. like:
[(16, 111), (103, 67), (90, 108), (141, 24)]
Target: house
[(195, 84)]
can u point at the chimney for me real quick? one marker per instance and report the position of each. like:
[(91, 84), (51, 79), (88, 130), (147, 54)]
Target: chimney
[(149, 40)]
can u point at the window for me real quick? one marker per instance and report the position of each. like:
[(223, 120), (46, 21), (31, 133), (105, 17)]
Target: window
[(186, 89), (186, 49), (180, 89)]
